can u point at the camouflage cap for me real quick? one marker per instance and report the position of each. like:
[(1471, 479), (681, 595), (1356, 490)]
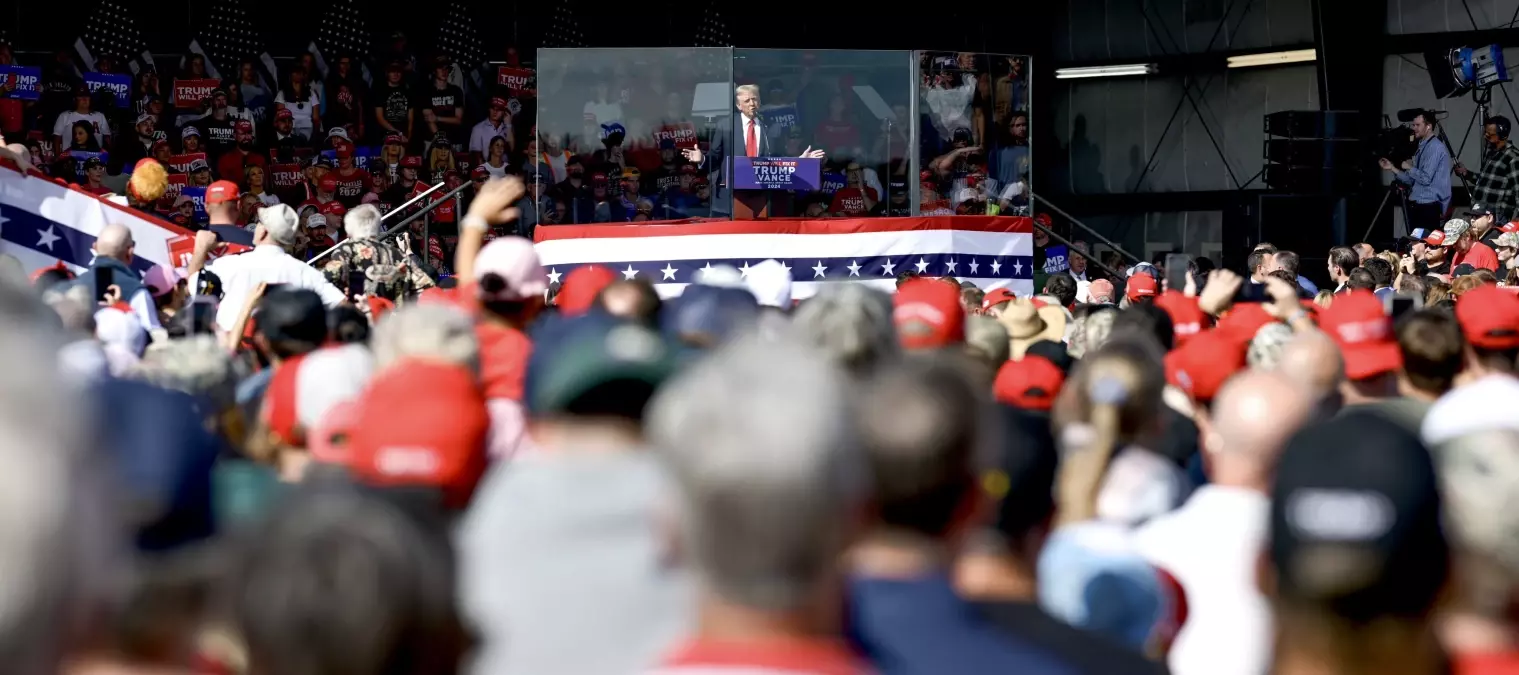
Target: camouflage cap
[(1454, 228), (1507, 240)]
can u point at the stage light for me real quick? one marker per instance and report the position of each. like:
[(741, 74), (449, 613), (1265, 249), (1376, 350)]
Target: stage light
[(1273, 58), (1480, 67), (1106, 71)]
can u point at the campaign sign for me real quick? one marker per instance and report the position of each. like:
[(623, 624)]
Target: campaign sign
[(775, 173), (189, 93), (285, 176), (682, 134), (779, 118), (198, 196), (120, 85), (22, 82), (82, 156), (518, 81), (181, 163), (362, 155), (177, 182)]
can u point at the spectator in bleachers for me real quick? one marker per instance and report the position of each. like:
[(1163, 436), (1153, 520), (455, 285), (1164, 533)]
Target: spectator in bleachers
[(298, 97), (64, 127)]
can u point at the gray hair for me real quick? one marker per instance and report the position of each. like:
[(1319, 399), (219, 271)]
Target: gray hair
[(1266, 347), (988, 338), (363, 222), (52, 547), (750, 89), (851, 324), (195, 365), (1480, 475), (429, 331), (761, 442)]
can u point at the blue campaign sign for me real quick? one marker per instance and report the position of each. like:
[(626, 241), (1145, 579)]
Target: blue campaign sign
[(120, 85), (23, 82), (776, 173), (198, 196)]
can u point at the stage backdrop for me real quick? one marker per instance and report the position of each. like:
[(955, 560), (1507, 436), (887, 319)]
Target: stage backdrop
[(992, 252)]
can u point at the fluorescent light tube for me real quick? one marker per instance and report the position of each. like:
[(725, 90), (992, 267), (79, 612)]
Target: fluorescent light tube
[(1105, 71), (1273, 58)]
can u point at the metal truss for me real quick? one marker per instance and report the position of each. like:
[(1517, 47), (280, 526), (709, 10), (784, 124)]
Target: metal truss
[(1188, 82)]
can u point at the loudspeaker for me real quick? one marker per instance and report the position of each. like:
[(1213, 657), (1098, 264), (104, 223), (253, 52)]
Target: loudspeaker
[(1303, 224), (1330, 124), (1313, 179), (1315, 151)]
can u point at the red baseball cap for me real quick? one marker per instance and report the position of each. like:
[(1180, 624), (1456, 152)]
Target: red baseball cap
[(328, 183), (928, 314), (284, 114), (498, 102), (1436, 238), (580, 288), (1203, 366), (1030, 383), (334, 208), (1244, 320), (343, 149), (1510, 226), (1141, 285), (1489, 317), (1187, 319), (397, 440), (479, 172), (394, 139), (1362, 329), (995, 297), (221, 191), (411, 162), (242, 127)]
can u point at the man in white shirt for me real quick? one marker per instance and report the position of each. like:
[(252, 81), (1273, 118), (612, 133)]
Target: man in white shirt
[(497, 123), (267, 263), (1211, 544)]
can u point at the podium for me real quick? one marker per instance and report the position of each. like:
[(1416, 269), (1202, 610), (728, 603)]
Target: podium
[(763, 186)]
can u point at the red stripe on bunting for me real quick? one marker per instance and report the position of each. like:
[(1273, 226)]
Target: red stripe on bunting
[(150, 217), (1000, 224)]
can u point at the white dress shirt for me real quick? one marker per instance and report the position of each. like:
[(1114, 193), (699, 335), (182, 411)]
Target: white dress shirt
[(268, 264), (759, 134), (1211, 546)]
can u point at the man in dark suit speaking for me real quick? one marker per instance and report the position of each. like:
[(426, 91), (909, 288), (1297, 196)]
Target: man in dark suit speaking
[(758, 141)]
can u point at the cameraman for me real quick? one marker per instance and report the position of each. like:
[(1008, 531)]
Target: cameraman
[(1497, 182), (1428, 173)]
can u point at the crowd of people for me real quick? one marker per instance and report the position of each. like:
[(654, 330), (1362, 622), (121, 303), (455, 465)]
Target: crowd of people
[(492, 473)]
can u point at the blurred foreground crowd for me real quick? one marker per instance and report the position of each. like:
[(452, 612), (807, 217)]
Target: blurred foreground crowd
[(512, 477)]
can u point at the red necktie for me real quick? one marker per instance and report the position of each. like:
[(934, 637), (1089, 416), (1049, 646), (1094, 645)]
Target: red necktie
[(751, 143)]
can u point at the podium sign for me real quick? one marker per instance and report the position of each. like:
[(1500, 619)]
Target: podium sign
[(776, 173)]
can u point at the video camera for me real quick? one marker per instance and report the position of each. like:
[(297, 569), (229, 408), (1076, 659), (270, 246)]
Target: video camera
[(1397, 144)]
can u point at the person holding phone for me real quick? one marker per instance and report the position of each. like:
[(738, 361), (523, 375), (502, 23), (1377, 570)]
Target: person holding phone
[(111, 278)]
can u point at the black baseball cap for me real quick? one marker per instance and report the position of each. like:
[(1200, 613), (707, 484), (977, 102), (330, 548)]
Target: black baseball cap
[(1055, 352), (1022, 482), (1479, 210), (1356, 520), (1463, 269)]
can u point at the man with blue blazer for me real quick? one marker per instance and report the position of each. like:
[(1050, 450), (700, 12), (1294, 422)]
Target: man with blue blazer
[(753, 138)]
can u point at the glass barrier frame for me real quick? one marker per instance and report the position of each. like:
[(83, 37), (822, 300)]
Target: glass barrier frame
[(944, 96)]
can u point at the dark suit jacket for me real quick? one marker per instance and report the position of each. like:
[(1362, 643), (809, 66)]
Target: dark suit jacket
[(716, 158)]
